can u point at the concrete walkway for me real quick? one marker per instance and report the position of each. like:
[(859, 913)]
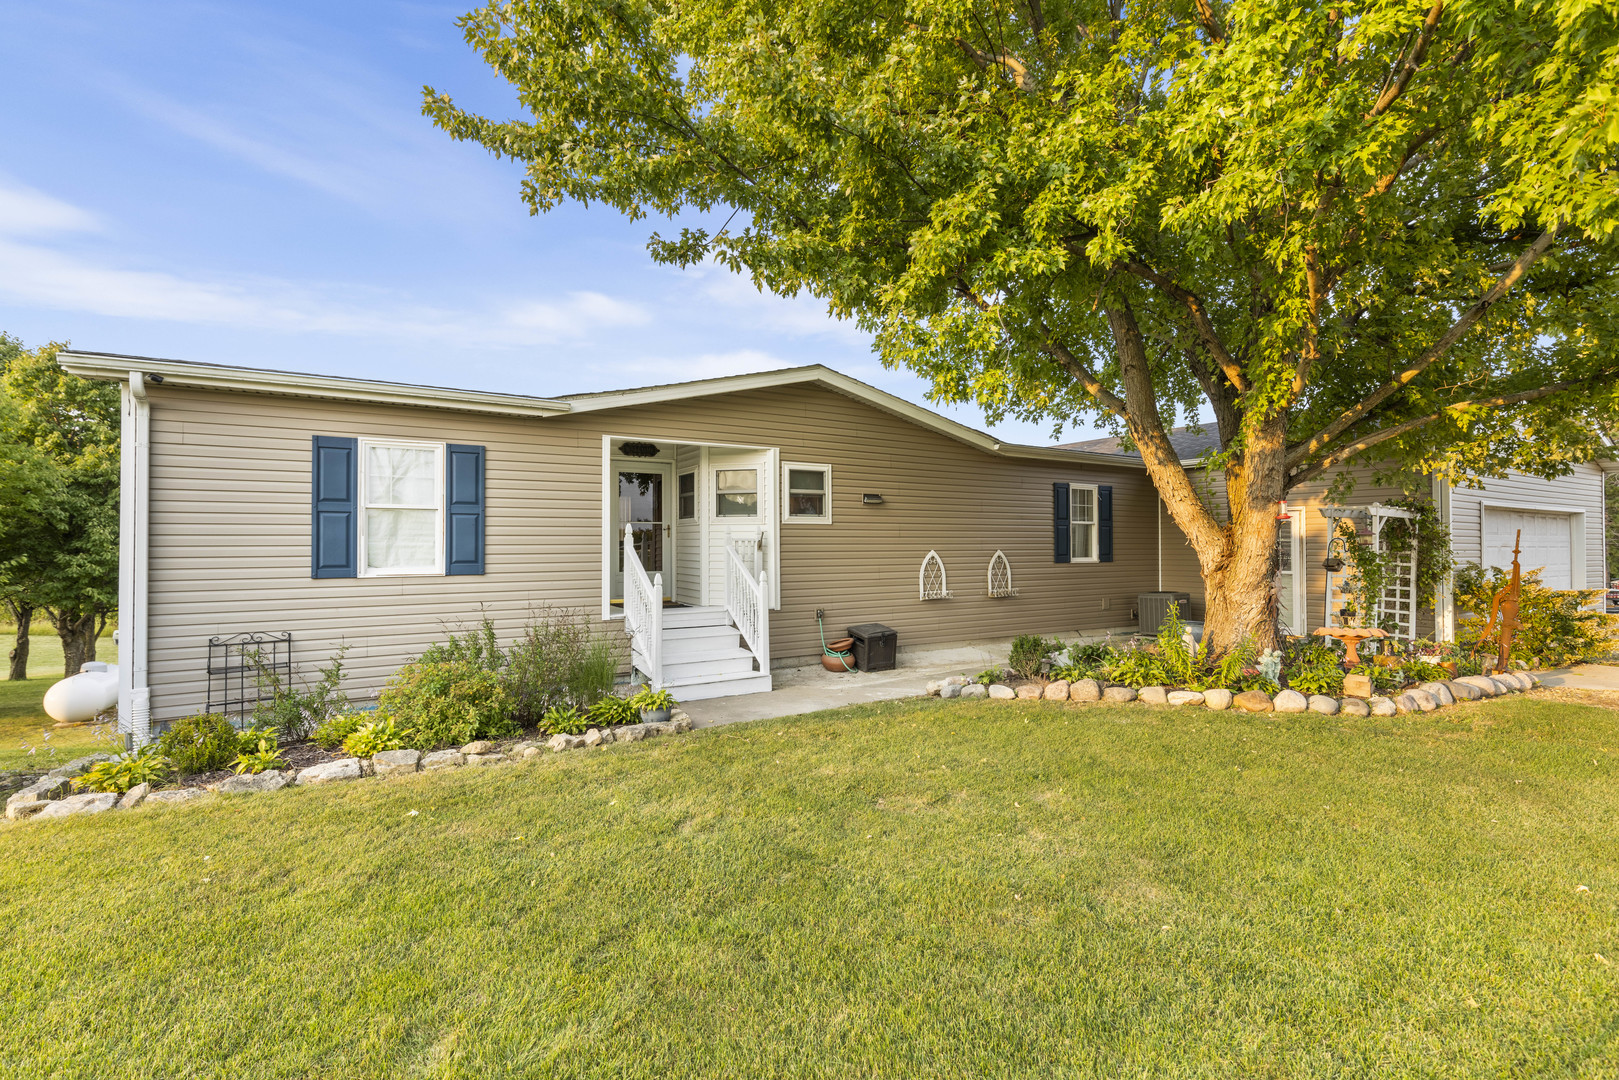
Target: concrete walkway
[(810, 689), (1583, 677)]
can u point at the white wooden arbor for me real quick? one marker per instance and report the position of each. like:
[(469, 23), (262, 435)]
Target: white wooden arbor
[(1398, 604)]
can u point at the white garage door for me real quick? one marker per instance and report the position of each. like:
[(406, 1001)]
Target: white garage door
[(1545, 543)]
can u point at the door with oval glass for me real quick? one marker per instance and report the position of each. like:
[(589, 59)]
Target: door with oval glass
[(641, 500), (741, 514)]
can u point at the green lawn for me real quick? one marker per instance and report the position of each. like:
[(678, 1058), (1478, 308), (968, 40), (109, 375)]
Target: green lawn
[(28, 738), (914, 889)]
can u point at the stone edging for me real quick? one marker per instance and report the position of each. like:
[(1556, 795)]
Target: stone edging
[(1424, 698), (49, 798)]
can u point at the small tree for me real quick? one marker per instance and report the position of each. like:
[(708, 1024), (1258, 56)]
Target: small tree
[(1369, 229), (59, 516)]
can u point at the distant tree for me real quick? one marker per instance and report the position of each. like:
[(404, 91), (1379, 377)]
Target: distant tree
[(1611, 486), (59, 507), (1352, 230)]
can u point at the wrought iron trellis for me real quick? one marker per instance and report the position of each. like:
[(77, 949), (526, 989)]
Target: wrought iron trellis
[(244, 669)]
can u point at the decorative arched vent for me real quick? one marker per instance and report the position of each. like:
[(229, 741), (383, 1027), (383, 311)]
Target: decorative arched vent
[(932, 578), (1000, 575)]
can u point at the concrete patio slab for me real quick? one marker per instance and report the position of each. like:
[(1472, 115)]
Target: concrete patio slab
[(1583, 677), (811, 689)]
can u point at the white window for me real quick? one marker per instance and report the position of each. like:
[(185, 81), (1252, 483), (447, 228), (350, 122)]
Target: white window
[(809, 493), (736, 493), (1081, 523), (402, 508)]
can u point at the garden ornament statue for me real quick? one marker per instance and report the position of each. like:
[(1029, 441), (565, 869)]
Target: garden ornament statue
[(1503, 619)]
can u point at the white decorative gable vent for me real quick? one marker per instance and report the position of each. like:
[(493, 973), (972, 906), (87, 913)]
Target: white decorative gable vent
[(932, 578), (1000, 575)]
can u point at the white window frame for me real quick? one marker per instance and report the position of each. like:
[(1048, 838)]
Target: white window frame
[(787, 516), (758, 493), (1095, 524), (364, 504)]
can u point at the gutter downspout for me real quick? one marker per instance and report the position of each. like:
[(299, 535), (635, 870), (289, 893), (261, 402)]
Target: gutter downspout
[(134, 469)]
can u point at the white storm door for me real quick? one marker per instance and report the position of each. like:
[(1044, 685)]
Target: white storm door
[(1290, 606), (643, 493), (741, 513)]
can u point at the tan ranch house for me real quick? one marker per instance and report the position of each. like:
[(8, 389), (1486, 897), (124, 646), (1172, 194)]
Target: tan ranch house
[(711, 519)]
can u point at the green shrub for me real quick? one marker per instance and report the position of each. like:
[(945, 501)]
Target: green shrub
[(201, 743), (1088, 661), (559, 661), (1176, 654), (612, 710), (1029, 653), (369, 740), (564, 720), (144, 766), (263, 759), (1312, 666), (434, 705), (1137, 667), (329, 735), (294, 707), (1383, 678), (477, 647), (989, 676), (1556, 627), (648, 700)]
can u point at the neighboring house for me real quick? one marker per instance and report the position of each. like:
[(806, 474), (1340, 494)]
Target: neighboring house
[(374, 514), (1561, 523)]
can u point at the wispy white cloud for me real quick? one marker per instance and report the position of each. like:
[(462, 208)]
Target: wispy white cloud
[(34, 272), (794, 316)]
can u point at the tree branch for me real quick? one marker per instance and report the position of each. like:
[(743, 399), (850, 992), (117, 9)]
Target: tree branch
[(1304, 474), (1201, 324), (1401, 76), (1210, 21), (1021, 75), (1353, 415)]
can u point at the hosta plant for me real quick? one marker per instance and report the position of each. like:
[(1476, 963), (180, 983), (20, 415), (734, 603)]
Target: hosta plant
[(144, 766), (267, 756), (369, 740)]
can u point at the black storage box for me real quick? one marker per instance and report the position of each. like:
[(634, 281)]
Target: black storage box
[(875, 646)]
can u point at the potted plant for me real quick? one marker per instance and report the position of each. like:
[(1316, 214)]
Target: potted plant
[(655, 705)]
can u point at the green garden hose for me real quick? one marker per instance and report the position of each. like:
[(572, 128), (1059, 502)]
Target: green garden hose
[(843, 657)]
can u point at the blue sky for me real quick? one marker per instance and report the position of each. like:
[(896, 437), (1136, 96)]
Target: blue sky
[(253, 183)]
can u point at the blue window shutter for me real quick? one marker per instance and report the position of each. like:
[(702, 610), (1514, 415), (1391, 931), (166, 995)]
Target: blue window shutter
[(1104, 523), (333, 514), (463, 509), (1060, 510)]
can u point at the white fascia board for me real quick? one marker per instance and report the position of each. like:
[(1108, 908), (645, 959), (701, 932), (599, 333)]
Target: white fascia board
[(843, 384), (112, 367)]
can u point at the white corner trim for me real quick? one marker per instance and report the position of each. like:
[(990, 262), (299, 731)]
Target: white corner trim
[(112, 367), (134, 513)]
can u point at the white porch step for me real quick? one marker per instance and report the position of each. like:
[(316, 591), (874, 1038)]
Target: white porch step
[(751, 682), (679, 617), (727, 662), (700, 637)]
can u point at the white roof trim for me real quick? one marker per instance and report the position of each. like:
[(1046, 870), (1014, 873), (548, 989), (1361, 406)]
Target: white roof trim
[(843, 384), (111, 366)]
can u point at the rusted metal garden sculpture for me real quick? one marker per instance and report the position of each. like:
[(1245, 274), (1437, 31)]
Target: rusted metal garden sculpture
[(1503, 619)]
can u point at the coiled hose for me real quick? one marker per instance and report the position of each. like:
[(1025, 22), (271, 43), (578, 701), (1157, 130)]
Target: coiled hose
[(843, 657)]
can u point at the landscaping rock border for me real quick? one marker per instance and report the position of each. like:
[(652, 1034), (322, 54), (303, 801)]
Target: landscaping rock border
[(1418, 699), (49, 798)]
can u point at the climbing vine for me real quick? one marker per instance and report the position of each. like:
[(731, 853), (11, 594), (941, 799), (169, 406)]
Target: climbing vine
[(1372, 570)]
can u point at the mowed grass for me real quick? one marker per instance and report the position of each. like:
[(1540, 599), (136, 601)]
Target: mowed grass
[(28, 738), (913, 889)]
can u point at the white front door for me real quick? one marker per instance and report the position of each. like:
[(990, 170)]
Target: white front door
[(642, 495), (741, 513)]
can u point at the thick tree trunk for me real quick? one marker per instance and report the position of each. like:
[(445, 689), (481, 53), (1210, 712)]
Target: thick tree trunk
[(78, 634), (1236, 557), (23, 615)]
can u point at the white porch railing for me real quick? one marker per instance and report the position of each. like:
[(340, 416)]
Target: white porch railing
[(747, 602), (643, 613)]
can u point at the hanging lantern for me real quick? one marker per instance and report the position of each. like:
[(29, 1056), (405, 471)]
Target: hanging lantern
[(1334, 562)]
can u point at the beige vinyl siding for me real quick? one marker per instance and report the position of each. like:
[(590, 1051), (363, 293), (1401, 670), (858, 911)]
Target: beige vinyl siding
[(230, 528), (1578, 493), (689, 533)]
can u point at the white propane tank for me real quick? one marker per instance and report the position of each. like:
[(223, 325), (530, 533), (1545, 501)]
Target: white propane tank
[(84, 696)]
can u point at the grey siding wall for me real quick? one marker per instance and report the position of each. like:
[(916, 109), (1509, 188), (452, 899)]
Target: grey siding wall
[(230, 528)]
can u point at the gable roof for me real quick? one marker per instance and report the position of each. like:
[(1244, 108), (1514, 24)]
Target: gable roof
[(1189, 445), (119, 367)]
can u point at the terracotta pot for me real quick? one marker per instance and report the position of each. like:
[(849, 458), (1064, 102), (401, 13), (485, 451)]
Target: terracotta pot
[(836, 663), (1449, 666)]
